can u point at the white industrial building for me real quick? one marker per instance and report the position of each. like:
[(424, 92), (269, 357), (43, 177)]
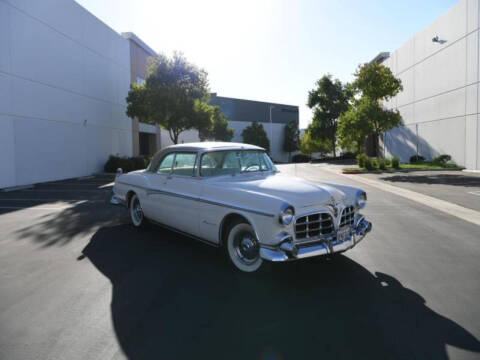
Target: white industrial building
[(64, 76), (439, 69)]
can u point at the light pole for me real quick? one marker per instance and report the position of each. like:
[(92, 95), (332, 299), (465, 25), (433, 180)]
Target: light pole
[(271, 127)]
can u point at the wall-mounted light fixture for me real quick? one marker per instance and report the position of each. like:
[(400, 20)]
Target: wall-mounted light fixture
[(438, 40)]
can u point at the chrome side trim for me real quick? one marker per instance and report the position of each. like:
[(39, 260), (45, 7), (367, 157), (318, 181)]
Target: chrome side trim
[(151, 191), (230, 206)]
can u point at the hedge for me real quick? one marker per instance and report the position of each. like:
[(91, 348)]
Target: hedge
[(127, 164)]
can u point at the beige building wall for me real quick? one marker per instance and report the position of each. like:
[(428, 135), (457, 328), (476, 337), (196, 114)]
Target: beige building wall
[(139, 54)]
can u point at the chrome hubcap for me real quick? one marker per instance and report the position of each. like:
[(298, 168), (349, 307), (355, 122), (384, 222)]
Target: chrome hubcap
[(247, 248), (137, 212)]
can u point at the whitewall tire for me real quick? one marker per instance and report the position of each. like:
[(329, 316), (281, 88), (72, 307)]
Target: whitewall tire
[(243, 248), (136, 212)]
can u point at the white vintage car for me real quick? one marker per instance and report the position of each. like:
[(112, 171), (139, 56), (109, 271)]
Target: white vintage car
[(231, 195)]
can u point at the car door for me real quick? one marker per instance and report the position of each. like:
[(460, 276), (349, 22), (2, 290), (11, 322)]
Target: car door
[(185, 188), (156, 204)]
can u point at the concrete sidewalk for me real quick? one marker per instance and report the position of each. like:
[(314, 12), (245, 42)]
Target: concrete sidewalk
[(457, 187)]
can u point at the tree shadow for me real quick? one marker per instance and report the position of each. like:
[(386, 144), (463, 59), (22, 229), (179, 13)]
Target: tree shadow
[(402, 142), (175, 298), (80, 217), (435, 179)]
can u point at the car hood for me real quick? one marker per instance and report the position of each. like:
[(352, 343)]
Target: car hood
[(296, 191)]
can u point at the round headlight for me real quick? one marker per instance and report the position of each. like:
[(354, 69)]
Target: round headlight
[(286, 216), (361, 199)]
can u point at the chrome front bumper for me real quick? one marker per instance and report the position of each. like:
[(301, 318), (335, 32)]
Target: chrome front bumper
[(289, 250)]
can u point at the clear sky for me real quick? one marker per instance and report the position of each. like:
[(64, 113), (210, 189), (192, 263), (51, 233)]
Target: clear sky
[(271, 50)]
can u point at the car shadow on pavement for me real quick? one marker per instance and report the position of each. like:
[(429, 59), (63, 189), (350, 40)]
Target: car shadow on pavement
[(174, 298), (445, 179)]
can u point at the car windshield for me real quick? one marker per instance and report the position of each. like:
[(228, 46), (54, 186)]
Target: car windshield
[(216, 163)]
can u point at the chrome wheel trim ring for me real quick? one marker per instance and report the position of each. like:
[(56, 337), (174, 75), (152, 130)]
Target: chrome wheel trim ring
[(246, 247), (234, 237), (136, 212)]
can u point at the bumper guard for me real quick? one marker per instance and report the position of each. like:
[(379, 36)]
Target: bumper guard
[(288, 250)]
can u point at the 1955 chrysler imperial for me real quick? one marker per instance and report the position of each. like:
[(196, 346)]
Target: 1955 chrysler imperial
[(231, 195)]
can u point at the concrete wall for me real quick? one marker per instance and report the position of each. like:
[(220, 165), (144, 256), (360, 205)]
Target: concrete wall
[(277, 130), (184, 137), (64, 76), (440, 101), (241, 113)]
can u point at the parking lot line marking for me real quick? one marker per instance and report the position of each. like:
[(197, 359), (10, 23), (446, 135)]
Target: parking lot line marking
[(441, 205), (35, 207), (72, 184), (475, 192), (65, 200), (41, 207), (69, 190)]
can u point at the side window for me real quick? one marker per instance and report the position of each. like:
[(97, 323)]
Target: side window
[(231, 160), (166, 164), (208, 165), (184, 164)]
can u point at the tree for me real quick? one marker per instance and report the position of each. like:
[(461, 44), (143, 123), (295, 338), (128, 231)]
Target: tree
[(309, 145), (171, 96), (365, 117), (354, 126), (256, 135), (328, 100), (375, 83), (218, 129), (291, 140)]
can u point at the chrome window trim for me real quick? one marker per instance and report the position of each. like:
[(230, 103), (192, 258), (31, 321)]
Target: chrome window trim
[(207, 151)]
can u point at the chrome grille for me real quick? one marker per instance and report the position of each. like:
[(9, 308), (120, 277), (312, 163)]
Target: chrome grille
[(313, 225), (348, 216)]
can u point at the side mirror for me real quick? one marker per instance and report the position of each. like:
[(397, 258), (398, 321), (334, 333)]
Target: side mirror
[(119, 172)]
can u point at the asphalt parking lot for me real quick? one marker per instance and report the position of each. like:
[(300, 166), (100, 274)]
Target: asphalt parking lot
[(78, 282)]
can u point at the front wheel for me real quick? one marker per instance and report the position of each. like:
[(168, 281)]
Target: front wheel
[(243, 248), (136, 212)]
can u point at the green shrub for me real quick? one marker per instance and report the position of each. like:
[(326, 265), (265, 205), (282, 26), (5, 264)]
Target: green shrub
[(125, 163), (416, 159), (361, 159), (382, 164), (300, 158), (388, 162), (442, 160), (395, 163), (369, 164)]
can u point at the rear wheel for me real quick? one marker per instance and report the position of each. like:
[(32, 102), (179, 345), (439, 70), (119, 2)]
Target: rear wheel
[(243, 248), (136, 212)]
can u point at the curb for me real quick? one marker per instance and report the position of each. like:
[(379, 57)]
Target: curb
[(399, 170)]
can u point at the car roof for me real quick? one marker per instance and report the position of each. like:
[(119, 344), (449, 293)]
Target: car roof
[(200, 146), (208, 145)]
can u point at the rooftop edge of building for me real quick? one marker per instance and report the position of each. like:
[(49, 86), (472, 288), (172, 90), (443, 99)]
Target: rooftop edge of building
[(214, 95), (131, 36)]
